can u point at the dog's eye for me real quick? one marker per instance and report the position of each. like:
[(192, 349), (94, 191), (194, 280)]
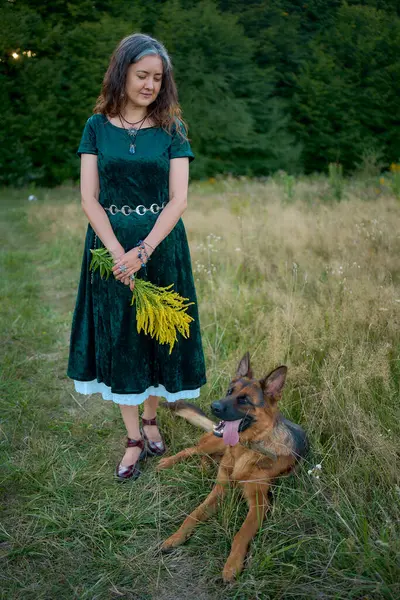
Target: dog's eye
[(229, 392), (241, 399)]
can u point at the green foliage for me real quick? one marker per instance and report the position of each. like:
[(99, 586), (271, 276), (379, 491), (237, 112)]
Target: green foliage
[(264, 84), (48, 97), (101, 260), (347, 93), (336, 179), (395, 179), (288, 183)]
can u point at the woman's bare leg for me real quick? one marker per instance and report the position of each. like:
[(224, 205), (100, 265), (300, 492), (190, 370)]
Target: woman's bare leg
[(149, 412), (130, 415)]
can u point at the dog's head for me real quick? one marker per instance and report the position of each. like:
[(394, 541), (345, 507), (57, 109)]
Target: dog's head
[(248, 401)]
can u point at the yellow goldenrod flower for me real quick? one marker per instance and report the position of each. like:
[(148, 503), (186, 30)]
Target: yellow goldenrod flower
[(160, 312)]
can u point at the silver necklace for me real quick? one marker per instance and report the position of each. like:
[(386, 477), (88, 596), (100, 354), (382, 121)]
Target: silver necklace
[(132, 133)]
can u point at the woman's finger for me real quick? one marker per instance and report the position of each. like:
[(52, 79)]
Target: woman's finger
[(132, 284), (124, 280), (129, 271), (117, 268), (125, 274), (122, 274)]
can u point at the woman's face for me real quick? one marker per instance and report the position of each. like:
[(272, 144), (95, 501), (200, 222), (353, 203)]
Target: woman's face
[(143, 80)]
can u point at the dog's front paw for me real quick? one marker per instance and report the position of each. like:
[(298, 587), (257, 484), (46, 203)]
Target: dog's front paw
[(233, 567), (164, 463), (172, 542)]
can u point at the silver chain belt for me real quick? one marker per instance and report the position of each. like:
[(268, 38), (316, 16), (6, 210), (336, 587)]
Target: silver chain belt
[(139, 210)]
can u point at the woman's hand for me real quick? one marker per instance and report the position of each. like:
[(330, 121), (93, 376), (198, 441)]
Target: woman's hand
[(132, 262), (129, 263), (117, 252)]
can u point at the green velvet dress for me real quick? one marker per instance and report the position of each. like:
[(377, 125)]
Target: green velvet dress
[(107, 355)]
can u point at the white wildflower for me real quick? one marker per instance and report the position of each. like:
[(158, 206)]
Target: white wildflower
[(315, 471)]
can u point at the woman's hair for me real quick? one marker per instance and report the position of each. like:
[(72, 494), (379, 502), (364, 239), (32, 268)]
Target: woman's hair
[(165, 110)]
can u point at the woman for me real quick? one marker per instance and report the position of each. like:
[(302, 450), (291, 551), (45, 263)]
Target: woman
[(134, 180)]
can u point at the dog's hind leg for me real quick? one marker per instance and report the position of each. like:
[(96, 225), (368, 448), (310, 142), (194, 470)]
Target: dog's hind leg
[(201, 513), (256, 493), (208, 444)]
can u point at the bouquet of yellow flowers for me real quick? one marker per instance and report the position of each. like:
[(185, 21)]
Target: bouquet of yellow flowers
[(160, 312)]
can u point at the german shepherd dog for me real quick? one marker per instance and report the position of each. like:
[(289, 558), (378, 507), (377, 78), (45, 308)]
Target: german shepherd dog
[(255, 444)]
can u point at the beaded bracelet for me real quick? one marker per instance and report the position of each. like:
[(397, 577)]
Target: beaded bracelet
[(142, 248)]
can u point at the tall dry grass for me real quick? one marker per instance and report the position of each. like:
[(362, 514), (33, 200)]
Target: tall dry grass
[(287, 273)]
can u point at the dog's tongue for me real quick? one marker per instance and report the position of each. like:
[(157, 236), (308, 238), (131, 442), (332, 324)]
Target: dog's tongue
[(231, 433)]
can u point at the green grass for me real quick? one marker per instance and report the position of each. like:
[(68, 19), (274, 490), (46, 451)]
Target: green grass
[(303, 280)]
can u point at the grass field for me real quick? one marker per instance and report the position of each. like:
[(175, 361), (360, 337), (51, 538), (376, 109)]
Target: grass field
[(282, 270)]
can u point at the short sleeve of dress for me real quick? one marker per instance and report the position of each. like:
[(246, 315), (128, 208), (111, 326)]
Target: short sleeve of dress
[(88, 143), (180, 146)]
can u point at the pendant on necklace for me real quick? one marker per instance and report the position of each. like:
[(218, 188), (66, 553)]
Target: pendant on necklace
[(132, 131), (132, 149)]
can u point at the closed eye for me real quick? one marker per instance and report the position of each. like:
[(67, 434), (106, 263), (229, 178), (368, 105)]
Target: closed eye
[(144, 77)]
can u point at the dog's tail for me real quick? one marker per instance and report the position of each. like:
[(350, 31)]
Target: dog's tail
[(190, 413)]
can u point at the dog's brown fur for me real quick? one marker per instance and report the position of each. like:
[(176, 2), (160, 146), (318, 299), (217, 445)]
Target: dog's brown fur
[(269, 447)]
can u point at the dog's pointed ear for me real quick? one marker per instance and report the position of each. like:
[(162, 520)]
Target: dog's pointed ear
[(272, 384), (244, 369)]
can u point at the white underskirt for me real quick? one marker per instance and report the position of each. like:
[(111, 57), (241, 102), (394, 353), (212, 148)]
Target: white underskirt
[(95, 387)]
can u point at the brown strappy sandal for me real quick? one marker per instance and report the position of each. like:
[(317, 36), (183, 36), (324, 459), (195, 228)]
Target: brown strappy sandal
[(153, 448), (132, 471)]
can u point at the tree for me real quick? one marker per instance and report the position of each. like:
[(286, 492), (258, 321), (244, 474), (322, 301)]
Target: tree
[(226, 97), (347, 93)]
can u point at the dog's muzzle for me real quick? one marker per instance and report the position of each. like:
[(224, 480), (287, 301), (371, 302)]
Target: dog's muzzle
[(218, 429)]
